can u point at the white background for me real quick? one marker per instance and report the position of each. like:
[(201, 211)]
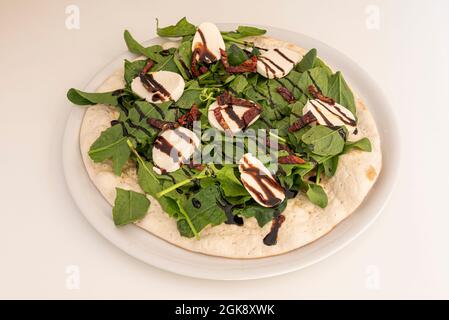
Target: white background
[(403, 255)]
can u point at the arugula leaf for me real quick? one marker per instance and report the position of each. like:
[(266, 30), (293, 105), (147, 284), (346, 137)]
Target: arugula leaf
[(263, 215), (236, 55), (363, 144), (200, 210), (339, 90), (323, 141), (181, 29), (307, 62), (85, 98), (111, 145), (245, 31), (129, 207), (316, 195)]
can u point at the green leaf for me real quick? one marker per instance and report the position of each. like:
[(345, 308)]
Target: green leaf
[(307, 62), (190, 96), (183, 57), (317, 195), (129, 207), (339, 90), (135, 47), (132, 69), (330, 166), (245, 31), (231, 185), (111, 145), (181, 29), (263, 215), (363, 144), (85, 98), (201, 210), (236, 55), (239, 84), (323, 141)]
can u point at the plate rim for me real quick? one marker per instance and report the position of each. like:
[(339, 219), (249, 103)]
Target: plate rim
[(236, 269)]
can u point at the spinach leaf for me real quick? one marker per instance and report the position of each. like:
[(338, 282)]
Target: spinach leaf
[(232, 187), (132, 69), (181, 29), (245, 31), (85, 98), (236, 55), (307, 62), (151, 52), (330, 166), (363, 144), (339, 90), (190, 96), (129, 207), (238, 84), (111, 145), (323, 141), (182, 59), (316, 195)]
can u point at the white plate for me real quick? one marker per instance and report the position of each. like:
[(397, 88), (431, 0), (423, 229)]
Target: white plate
[(159, 253)]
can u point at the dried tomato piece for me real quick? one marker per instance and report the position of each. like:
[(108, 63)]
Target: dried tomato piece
[(148, 66), (318, 95), (302, 122), (246, 66), (192, 115), (161, 124), (291, 159), (286, 94)]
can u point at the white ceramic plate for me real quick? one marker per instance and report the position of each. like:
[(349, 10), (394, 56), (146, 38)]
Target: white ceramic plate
[(161, 254)]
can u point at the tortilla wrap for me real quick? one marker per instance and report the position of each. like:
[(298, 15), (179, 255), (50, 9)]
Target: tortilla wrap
[(304, 222)]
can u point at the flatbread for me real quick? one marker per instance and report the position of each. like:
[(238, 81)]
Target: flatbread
[(304, 222)]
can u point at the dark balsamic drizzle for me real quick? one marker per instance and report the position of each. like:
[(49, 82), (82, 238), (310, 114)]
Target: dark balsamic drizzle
[(135, 126), (228, 208), (166, 147), (271, 238), (139, 111), (284, 56), (155, 87), (196, 203), (314, 82), (266, 182), (159, 110), (125, 131), (339, 114)]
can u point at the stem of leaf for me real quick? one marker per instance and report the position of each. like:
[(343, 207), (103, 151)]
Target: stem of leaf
[(277, 137), (318, 174), (199, 176), (139, 158), (189, 222), (231, 39)]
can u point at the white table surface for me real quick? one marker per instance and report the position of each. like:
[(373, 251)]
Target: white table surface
[(403, 255)]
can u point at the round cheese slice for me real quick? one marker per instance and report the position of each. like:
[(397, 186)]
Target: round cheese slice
[(232, 116), (259, 182), (165, 86), (209, 36), (331, 115), (277, 63), (172, 148)]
